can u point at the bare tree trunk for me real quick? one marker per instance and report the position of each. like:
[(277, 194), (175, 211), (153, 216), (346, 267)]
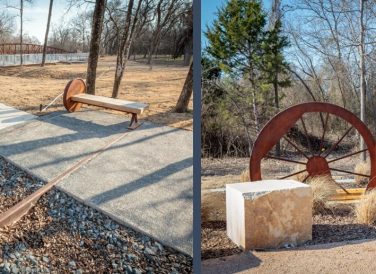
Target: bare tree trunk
[(46, 35), (96, 30), (21, 31), (186, 93), (275, 17), (276, 105), (362, 76), (124, 47)]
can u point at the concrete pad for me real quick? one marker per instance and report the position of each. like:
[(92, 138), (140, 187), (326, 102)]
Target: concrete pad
[(10, 116), (143, 181)]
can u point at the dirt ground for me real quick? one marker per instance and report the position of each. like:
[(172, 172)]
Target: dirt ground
[(345, 257), (27, 87), (216, 173)]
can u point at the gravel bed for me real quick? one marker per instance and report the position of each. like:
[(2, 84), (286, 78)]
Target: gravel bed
[(15, 185), (337, 225), (61, 234)]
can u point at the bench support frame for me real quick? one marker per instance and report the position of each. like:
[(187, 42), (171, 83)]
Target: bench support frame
[(134, 122)]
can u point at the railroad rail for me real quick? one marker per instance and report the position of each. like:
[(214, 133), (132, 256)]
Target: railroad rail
[(27, 48)]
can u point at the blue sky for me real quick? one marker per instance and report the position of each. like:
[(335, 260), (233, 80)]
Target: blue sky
[(208, 14), (35, 15)]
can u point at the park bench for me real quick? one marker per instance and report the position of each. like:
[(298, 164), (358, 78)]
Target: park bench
[(75, 95)]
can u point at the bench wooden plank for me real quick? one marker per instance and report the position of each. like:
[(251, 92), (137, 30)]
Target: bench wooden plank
[(111, 103)]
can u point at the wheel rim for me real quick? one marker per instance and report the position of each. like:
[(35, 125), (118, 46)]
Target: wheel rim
[(74, 87), (279, 125)]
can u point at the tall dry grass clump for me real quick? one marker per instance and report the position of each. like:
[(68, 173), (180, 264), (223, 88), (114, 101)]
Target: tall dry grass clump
[(362, 168), (244, 176), (365, 210), (323, 187)]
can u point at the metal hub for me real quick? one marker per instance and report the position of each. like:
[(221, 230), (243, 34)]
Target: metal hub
[(317, 165)]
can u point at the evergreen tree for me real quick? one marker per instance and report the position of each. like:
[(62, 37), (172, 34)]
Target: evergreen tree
[(249, 53)]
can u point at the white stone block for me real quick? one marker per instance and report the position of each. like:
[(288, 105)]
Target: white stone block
[(269, 214)]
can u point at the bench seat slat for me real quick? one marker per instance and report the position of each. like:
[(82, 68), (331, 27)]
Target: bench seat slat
[(111, 103)]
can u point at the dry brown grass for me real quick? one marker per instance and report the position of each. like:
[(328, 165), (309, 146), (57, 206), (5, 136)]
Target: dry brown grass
[(244, 176), (29, 86), (365, 209), (323, 187), (362, 168), (213, 206)]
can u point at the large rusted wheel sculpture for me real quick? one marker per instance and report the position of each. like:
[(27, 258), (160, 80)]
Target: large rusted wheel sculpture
[(315, 162), (74, 87)]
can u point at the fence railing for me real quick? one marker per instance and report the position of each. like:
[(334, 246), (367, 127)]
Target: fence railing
[(28, 59)]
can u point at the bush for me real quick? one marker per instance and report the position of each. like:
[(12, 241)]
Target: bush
[(244, 176), (362, 168), (323, 187), (365, 209)]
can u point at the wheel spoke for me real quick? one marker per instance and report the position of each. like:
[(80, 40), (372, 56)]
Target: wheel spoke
[(337, 143), (284, 159), (348, 155), (344, 189), (349, 172), (307, 137), (324, 131), (296, 173), (305, 179), (291, 143)]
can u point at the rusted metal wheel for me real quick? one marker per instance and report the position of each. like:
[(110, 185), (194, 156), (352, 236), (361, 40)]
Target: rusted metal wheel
[(315, 161), (74, 87)]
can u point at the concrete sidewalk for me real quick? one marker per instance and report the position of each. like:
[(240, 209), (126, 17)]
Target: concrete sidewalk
[(10, 116), (143, 181)]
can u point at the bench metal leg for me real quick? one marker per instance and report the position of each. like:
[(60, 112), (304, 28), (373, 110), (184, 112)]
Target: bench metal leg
[(134, 122)]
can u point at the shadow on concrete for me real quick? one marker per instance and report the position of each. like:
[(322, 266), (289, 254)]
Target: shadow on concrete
[(146, 180), (81, 130), (231, 264)]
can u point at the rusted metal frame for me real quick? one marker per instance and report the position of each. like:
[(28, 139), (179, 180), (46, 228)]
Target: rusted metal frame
[(284, 159), (337, 143), (277, 127), (134, 122), (296, 173), (348, 155), (324, 131), (16, 212), (291, 143), (27, 48), (349, 172), (307, 137)]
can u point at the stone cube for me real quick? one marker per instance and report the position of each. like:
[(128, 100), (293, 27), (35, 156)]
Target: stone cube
[(269, 214)]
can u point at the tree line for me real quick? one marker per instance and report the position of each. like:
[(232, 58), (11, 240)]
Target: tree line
[(259, 61), (121, 28)]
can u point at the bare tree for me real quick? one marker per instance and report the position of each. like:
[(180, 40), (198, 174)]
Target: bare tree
[(125, 44), (166, 13), (96, 31), (362, 73), (186, 93), (46, 35), (20, 8), (6, 26)]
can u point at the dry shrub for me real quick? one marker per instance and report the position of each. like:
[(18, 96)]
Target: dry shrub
[(213, 206), (323, 187), (301, 176), (244, 176), (362, 168), (365, 209)]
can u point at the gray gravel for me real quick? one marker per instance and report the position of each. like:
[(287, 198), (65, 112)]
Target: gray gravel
[(62, 235)]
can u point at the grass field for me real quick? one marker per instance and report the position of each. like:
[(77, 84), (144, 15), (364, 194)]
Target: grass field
[(27, 87)]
